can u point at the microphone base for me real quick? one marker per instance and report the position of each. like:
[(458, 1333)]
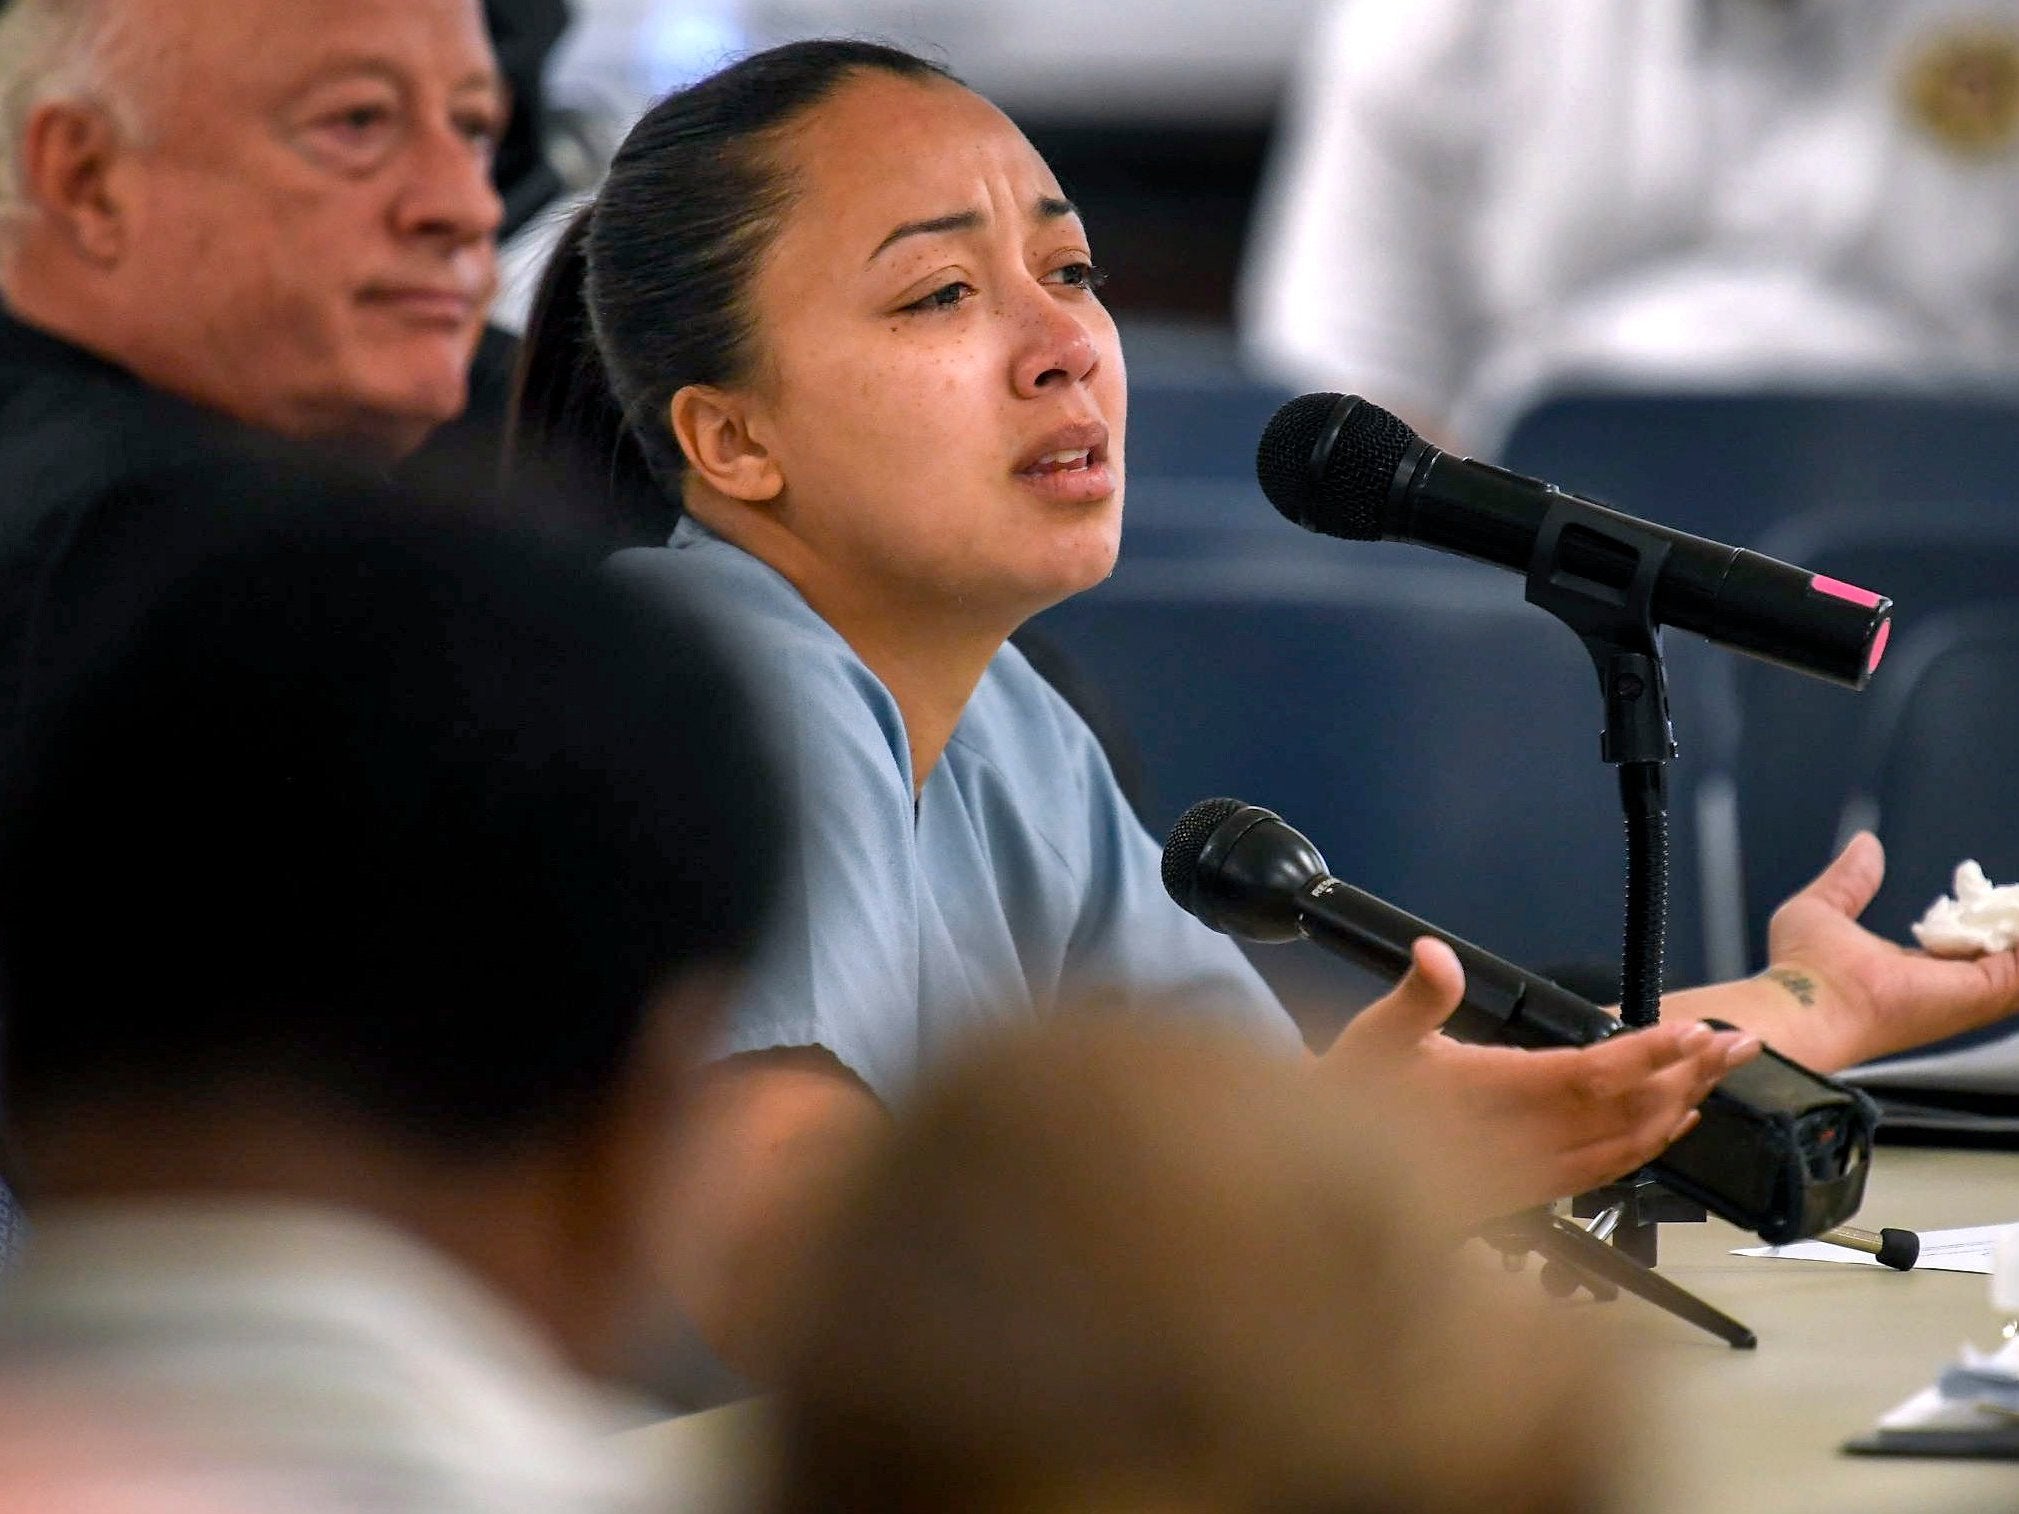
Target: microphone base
[(1576, 1255), (1643, 1205)]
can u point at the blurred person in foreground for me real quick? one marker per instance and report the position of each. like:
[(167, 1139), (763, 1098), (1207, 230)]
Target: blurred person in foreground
[(1114, 1266), (361, 910), (61, 1455), (222, 219), (1471, 199), (839, 313)]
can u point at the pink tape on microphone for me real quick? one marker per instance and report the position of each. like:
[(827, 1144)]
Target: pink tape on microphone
[(1836, 588)]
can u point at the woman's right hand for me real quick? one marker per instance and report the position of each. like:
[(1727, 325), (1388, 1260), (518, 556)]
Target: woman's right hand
[(1529, 1126)]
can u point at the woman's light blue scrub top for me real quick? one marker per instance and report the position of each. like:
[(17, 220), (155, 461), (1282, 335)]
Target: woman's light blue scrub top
[(1020, 882)]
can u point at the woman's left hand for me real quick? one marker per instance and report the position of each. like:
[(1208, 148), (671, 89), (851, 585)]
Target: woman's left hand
[(1836, 994)]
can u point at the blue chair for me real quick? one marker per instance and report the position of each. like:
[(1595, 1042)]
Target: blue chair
[(1936, 756), (1732, 465), (1934, 765), (1785, 746), (1200, 422), (1433, 734), (1173, 516)]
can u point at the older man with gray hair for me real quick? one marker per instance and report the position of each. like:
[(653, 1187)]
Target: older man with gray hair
[(221, 218), (277, 209)]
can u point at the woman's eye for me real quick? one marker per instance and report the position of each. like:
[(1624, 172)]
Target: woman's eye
[(1080, 276), (943, 298)]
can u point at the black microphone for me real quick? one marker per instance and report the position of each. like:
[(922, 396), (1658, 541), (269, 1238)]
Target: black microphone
[(1336, 464), (1246, 873), (1779, 1150)]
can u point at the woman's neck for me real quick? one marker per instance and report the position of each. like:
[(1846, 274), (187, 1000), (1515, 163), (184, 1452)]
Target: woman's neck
[(931, 676), (930, 655)]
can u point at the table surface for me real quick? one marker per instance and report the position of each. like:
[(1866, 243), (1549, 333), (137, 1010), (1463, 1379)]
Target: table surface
[(1731, 1432), (1757, 1432)]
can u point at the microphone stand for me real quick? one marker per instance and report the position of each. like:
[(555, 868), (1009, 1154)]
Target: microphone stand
[(1607, 600), (1574, 1258)]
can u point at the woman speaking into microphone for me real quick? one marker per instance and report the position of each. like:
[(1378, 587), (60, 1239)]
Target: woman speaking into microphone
[(835, 306)]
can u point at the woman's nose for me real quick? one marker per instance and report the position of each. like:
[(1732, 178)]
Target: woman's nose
[(1057, 349)]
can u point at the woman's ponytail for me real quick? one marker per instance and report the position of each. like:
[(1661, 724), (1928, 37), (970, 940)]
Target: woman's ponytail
[(567, 431)]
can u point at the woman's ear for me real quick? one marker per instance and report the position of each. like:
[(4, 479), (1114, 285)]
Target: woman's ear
[(713, 428)]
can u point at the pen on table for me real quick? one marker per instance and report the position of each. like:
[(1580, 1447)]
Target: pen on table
[(1898, 1249)]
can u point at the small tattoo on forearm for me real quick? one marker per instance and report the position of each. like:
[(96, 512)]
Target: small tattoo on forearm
[(1801, 985)]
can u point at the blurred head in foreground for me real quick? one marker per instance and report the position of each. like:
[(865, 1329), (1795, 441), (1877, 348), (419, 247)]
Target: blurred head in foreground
[(1105, 1267), (385, 865)]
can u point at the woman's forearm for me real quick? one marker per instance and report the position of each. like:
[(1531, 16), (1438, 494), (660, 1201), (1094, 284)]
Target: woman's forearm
[(1787, 1008)]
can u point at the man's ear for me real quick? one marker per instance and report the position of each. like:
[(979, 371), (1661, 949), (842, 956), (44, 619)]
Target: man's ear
[(68, 154), (713, 427)]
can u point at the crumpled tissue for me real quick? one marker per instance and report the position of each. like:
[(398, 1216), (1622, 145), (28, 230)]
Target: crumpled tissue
[(1982, 917)]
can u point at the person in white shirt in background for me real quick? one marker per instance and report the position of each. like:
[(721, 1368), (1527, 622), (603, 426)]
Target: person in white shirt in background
[(361, 909), (1471, 198)]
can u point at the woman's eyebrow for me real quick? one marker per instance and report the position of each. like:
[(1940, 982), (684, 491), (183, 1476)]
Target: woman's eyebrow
[(960, 220), (1047, 207)]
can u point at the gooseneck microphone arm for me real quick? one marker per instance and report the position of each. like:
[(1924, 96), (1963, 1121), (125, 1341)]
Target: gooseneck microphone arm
[(1615, 619), (1616, 623)]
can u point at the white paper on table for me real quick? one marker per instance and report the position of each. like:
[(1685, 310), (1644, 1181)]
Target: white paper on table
[(1966, 1250), (1930, 1410), (1979, 1401)]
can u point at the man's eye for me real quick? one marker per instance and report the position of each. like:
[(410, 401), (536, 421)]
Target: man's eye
[(355, 131), (484, 131), (360, 119), (943, 298)]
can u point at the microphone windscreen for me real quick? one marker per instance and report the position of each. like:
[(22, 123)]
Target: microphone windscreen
[(1187, 841), (1326, 461)]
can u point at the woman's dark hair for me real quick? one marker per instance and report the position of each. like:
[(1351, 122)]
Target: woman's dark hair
[(648, 291)]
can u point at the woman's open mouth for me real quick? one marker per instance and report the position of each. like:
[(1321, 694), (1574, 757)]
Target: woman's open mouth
[(1063, 462), (1070, 465)]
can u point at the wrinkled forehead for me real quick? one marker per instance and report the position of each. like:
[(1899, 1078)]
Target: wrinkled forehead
[(883, 150), (250, 51)]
